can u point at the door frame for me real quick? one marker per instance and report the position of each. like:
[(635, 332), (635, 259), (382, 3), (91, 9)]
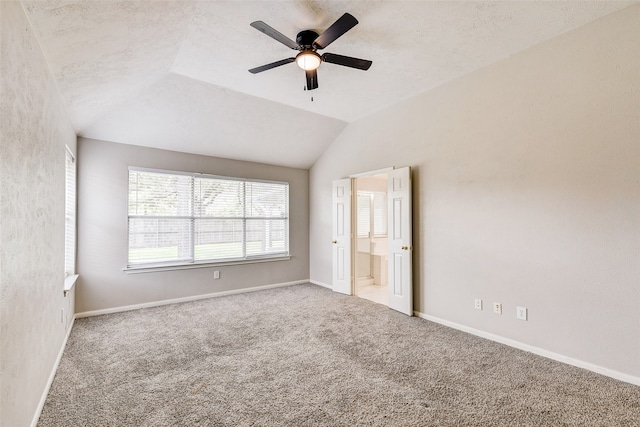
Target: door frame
[(353, 225), (372, 173)]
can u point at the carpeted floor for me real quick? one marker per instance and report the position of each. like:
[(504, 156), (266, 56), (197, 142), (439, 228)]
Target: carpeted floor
[(305, 356)]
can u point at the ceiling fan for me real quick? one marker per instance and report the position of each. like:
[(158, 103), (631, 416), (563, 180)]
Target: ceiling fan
[(308, 42)]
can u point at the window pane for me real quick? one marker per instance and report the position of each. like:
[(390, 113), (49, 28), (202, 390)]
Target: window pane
[(218, 239), (158, 194), (153, 240), (265, 237), (364, 215), (70, 216), (267, 200), (379, 214), (218, 198)]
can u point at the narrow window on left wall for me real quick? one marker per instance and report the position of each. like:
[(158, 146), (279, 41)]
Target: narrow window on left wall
[(70, 214)]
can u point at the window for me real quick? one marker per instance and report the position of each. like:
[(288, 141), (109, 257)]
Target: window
[(70, 215), (364, 214), (372, 209), (181, 218), (379, 214)]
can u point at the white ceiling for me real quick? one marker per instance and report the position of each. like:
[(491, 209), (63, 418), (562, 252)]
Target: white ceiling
[(173, 74)]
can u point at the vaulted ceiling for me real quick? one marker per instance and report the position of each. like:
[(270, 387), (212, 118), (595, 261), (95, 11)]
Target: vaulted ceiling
[(173, 74)]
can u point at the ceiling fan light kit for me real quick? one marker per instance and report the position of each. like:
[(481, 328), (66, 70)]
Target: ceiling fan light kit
[(308, 60), (308, 42)]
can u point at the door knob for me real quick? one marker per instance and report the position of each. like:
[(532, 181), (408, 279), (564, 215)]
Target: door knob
[(404, 248), (334, 241)]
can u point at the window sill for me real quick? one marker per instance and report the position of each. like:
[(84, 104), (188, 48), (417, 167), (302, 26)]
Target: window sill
[(69, 283), (189, 266)]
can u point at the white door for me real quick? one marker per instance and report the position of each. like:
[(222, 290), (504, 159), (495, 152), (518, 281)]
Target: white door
[(341, 233), (400, 242)]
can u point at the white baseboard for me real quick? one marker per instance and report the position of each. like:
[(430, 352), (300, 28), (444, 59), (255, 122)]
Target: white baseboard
[(184, 299), (535, 350), (45, 393), (324, 285)]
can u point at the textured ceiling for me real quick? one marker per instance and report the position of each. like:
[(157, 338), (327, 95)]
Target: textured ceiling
[(173, 74)]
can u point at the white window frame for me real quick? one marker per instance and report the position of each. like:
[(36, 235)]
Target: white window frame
[(192, 263)]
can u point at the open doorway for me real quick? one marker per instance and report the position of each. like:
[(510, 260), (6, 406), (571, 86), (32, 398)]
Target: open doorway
[(397, 242), (371, 224)]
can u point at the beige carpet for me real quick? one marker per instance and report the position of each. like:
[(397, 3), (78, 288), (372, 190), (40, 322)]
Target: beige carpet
[(305, 356)]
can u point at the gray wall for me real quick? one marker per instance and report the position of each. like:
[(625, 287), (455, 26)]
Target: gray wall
[(526, 191), (102, 229), (33, 132)]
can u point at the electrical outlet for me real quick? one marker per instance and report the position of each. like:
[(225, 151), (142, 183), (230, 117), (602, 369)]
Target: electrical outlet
[(497, 308), (216, 274), (521, 313), (478, 304)]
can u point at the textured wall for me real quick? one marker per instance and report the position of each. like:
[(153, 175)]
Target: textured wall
[(526, 192), (34, 130), (102, 228)]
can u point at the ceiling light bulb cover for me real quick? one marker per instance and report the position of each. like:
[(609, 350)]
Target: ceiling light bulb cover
[(308, 60)]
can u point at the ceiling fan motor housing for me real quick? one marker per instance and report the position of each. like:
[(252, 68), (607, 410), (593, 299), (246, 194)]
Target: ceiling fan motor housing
[(306, 38)]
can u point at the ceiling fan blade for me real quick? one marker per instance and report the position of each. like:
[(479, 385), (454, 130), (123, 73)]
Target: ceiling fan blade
[(275, 34), (338, 28), (272, 65), (347, 61), (312, 79)]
